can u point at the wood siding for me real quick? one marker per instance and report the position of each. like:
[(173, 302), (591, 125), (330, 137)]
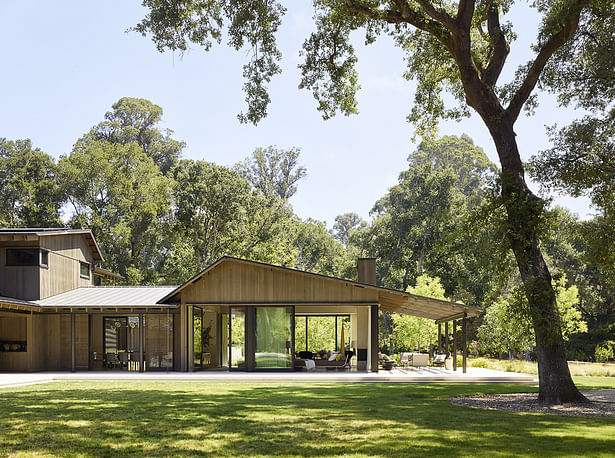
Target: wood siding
[(238, 282), (20, 282), (66, 252)]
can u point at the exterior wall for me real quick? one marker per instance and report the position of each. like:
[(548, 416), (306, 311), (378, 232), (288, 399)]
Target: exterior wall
[(14, 327), (66, 252), (17, 281), (237, 282)]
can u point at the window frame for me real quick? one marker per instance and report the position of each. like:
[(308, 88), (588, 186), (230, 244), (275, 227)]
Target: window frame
[(81, 274)]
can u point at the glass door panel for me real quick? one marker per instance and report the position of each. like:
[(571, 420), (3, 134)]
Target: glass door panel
[(273, 338), (197, 336), (224, 342), (237, 340)]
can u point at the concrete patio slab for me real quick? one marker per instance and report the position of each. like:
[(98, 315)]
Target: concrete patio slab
[(398, 375)]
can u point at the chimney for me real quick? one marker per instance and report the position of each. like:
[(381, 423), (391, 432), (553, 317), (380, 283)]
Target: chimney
[(366, 270)]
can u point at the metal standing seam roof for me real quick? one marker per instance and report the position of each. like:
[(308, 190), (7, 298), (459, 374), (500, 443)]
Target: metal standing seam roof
[(109, 296)]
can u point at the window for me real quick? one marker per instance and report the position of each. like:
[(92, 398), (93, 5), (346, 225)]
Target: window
[(22, 257), (44, 258), (84, 270)]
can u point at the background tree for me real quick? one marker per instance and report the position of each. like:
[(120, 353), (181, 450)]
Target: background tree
[(412, 332), (119, 193), (29, 195), (459, 47), (273, 171), (345, 224), (135, 121)]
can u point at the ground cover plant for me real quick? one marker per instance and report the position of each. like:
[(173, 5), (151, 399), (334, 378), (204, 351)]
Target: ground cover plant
[(579, 369), (181, 418)]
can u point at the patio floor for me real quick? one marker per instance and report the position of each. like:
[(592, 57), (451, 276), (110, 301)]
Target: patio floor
[(401, 375)]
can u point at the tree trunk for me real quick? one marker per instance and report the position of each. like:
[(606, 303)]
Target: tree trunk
[(525, 211)]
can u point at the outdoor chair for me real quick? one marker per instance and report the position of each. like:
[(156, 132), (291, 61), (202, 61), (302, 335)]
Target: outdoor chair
[(123, 357), (439, 360), (405, 359), (386, 362)]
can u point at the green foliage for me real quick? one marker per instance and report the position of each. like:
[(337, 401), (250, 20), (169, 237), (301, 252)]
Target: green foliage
[(507, 326), (412, 332), (29, 194), (273, 171), (119, 193), (135, 121), (605, 352)]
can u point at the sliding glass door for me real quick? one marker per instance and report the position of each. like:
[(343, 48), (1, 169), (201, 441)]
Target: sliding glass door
[(273, 338)]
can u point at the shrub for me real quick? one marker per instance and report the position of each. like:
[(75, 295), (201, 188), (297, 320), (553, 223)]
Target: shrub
[(605, 351)]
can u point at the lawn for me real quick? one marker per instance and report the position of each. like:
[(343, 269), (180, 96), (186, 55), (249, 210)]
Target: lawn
[(183, 418)]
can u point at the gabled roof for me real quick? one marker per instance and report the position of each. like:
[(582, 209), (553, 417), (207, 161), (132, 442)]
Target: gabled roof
[(109, 296), (389, 299), (34, 233)]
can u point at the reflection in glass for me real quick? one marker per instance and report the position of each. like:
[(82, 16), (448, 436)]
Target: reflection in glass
[(197, 332), (273, 337), (238, 338)]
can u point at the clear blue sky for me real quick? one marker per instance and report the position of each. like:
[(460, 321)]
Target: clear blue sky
[(65, 63)]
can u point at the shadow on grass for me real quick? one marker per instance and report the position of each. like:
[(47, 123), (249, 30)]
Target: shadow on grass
[(181, 418)]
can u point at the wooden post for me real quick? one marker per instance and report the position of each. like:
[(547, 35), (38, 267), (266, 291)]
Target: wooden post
[(454, 345), (141, 342), (72, 342), (464, 331), (446, 340), (373, 322), (439, 338)]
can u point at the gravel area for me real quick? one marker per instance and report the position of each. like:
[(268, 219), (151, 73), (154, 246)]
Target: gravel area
[(602, 404)]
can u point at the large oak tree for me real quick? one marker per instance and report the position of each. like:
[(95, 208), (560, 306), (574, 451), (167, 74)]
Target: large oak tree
[(455, 46)]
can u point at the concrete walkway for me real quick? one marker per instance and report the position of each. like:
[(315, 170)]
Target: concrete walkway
[(400, 375)]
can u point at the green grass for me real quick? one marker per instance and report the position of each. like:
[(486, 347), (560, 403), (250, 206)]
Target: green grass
[(184, 418), (531, 367)]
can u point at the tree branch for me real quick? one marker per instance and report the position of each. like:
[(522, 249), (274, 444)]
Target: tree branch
[(438, 14), (500, 47), (405, 15), (557, 40), (465, 11)]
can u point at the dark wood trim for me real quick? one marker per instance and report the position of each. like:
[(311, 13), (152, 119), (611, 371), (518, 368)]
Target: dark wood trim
[(141, 368), (464, 331), (454, 345), (72, 342), (374, 338)]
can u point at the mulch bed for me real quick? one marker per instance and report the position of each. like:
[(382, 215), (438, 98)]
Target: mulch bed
[(602, 404)]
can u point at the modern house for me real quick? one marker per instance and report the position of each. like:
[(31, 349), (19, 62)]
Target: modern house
[(234, 315)]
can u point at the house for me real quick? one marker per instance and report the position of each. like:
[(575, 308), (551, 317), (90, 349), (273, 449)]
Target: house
[(236, 314)]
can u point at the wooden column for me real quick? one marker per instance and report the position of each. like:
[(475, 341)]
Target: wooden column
[(72, 342), (141, 342), (464, 331), (439, 338), (454, 345), (373, 323), (446, 340), (189, 338)]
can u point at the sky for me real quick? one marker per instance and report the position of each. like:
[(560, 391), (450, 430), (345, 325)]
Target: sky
[(65, 63)]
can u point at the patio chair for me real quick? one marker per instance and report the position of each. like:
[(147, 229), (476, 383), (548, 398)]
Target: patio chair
[(386, 362), (405, 359), (439, 360)]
